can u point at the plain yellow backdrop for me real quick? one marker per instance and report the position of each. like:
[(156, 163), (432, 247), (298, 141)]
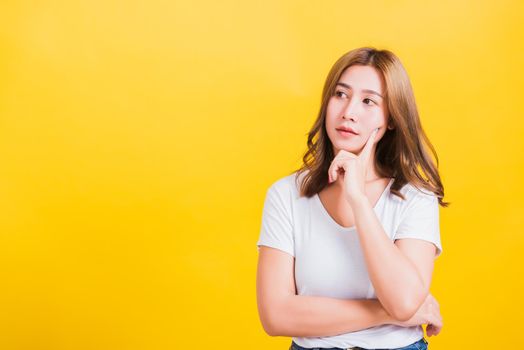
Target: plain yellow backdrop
[(138, 139)]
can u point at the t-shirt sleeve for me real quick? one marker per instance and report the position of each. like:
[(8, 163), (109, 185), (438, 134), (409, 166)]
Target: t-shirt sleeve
[(277, 229), (421, 220)]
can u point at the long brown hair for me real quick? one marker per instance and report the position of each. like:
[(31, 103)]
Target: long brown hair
[(401, 153)]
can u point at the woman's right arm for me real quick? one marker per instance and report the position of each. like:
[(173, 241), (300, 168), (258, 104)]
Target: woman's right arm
[(283, 313)]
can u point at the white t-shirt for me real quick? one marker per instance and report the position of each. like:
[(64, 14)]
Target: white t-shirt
[(328, 258)]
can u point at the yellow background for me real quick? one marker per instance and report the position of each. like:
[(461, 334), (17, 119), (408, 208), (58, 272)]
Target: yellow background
[(138, 139)]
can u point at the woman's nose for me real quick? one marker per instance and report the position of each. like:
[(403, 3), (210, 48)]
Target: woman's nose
[(351, 117), (350, 112)]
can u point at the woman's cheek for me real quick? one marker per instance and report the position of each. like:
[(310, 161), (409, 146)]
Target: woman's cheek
[(373, 122)]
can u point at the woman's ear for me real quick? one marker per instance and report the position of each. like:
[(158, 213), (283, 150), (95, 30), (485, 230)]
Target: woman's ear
[(391, 125)]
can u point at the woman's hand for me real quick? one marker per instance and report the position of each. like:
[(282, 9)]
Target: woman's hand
[(428, 313), (354, 169)]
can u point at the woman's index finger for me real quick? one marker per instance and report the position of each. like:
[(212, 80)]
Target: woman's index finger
[(366, 151)]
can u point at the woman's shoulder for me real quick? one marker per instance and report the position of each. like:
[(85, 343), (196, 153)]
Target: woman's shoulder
[(287, 187), (412, 189), (413, 193), (286, 184)]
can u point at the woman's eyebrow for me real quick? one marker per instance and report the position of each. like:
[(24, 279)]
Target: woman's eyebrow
[(364, 90)]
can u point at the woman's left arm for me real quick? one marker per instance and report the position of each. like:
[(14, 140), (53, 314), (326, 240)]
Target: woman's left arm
[(400, 271)]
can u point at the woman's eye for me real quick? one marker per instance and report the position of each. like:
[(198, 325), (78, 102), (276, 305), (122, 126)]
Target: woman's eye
[(339, 93), (367, 99)]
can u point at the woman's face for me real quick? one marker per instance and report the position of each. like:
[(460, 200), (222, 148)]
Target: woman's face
[(357, 104)]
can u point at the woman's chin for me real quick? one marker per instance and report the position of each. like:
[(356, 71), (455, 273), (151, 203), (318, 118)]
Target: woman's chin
[(348, 148)]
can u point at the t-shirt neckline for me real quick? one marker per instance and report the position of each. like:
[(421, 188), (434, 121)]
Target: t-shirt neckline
[(351, 228)]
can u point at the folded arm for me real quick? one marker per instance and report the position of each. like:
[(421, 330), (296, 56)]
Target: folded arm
[(283, 313), (400, 271)]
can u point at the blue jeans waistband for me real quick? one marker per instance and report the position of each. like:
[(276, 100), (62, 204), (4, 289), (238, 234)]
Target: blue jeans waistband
[(421, 344)]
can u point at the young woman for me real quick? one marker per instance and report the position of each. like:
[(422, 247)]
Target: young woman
[(348, 241)]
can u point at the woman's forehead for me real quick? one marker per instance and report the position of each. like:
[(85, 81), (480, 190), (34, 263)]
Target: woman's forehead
[(359, 77)]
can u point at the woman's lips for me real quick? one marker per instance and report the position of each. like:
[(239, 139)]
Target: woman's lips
[(345, 133)]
